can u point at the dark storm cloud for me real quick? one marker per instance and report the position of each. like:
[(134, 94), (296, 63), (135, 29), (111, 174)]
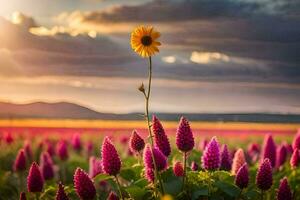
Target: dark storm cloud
[(167, 10), (265, 45), (287, 8), (256, 29), (257, 38)]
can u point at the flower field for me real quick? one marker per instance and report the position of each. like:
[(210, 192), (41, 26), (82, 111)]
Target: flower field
[(95, 159), (116, 163)]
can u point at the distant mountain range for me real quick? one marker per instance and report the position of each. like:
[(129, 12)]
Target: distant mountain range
[(65, 110)]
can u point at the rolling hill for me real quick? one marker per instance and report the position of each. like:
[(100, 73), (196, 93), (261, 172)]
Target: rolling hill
[(65, 110)]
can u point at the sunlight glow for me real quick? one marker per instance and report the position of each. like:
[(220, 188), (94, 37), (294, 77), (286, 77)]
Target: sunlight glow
[(208, 57), (16, 18), (169, 59)]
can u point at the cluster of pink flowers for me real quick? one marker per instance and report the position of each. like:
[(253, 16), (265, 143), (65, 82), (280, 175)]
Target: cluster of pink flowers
[(155, 157)]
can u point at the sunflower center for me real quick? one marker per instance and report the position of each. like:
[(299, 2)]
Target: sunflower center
[(146, 40)]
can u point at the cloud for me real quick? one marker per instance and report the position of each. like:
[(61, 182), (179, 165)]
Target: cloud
[(62, 54), (61, 30), (208, 57), (8, 67), (169, 59), (205, 25), (65, 55), (209, 48), (166, 11), (195, 47), (23, 20)]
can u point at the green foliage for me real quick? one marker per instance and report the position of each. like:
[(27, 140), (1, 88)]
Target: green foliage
[(200, 185)]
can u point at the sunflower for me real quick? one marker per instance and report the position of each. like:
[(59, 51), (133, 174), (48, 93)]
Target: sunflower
[(143, 41)]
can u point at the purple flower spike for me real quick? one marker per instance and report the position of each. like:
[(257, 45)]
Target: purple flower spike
[(211, 159), (84, 186), (89, 148), (253, 148), (76, 142), (111, 163), (136, 142), (20, 162), (62, 150), (184, 136), (60, 194), (28, 150), (160, 158), (253, 152), (289, 148), (281, 155), (226, 160), (160, 138), (50, 148), (296, 141), (47, 168), (264, 179), (22, 196), (35, 181), (284, 191), (178, 169), (295, 159), (95, 166), (149, 175), (269, 150), (8, 138), (112, 196), (242, 177), (194, 166), (238, 161)]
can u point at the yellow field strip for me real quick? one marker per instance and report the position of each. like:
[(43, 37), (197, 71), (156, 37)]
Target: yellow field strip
[(71, 123)]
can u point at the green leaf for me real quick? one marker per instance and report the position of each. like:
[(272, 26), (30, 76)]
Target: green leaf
[(136, 192), (229, 189), (49, 193), (141, 183), (202, 191), (132, 173), (128, 174), (167, 175), (252, 194), (224, 176), (216, 197), (173, 187), (102, 177)]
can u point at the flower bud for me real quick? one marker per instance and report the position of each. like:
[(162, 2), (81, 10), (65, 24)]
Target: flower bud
[(211, 155), (84, 186), (184, 136), (264, 179), (111, 163)]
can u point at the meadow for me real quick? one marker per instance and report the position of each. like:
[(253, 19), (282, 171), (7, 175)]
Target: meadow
[(70, 160), (45, 159)]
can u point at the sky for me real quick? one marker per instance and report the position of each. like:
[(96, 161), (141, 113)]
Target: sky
[(217, 56)]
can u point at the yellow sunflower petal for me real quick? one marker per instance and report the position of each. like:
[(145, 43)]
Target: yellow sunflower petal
[(145, 49)]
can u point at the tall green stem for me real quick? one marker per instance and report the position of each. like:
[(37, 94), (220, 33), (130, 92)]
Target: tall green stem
[(63, 171), (262, 195), (184, 170), (37, 196), (119, 187), (209, 184), (240, 195), (21, 179), (147, 98)]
